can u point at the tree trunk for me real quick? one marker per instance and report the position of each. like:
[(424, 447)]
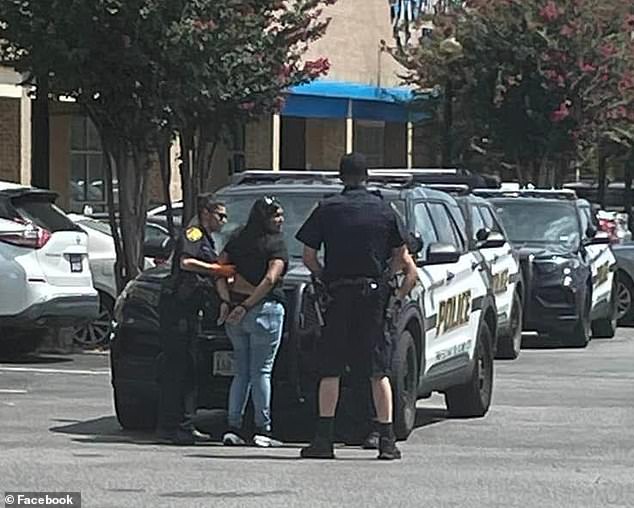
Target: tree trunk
[(40, 174), (188, 182), (166, 177), (447, 147), (601, 176), (629, 169)]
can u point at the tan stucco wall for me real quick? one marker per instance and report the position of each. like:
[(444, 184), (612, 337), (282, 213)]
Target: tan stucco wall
[(353, 40), (325, 143)]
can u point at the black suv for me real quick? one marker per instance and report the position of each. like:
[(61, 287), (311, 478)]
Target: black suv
[(569, 265), (463, 373)]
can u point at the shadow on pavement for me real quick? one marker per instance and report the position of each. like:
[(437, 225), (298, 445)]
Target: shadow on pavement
[(102, 430), (33, 359), (429, 416)]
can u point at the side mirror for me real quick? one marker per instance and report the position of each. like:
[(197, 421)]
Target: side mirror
[(442, 253), (414, 244), (494, 240), (599, 238), (482, 234), (158, 248)]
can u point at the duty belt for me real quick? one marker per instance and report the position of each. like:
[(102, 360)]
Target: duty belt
[(353, 282)]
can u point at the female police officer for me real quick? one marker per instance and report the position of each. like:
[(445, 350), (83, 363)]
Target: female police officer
[(361, 234), (189, 289)]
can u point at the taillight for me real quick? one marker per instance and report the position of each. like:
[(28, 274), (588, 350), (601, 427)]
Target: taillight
[(32, 236)]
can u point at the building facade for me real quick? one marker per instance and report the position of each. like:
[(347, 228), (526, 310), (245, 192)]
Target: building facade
[(358, 106)]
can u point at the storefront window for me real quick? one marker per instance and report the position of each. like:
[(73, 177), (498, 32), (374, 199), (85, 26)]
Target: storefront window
[(87, 172)]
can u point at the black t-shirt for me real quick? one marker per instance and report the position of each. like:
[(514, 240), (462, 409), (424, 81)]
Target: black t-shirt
[(359, 231), (251, 256)]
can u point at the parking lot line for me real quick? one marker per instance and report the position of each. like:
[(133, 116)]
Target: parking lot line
[(5, 390), (40, 370)]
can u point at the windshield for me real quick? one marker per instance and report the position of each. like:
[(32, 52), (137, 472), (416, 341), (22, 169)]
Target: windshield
[(297, 208), (542, 223)]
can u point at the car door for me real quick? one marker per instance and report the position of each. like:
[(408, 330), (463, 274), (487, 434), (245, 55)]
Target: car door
[(600, 259), (503, 266), (448, 291)]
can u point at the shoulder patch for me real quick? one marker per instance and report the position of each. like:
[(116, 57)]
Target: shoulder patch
[(193, 234)]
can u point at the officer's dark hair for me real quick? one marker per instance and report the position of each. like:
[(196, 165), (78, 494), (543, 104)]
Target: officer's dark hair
[(207, 201), (353, 168)]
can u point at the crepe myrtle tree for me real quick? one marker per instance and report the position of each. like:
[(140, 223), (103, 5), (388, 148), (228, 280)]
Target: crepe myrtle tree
[(541, 80), (144, 70), (228, 62)]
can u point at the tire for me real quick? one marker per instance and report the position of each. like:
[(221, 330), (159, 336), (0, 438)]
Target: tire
[(97, 332), (624, 299), (509, 346), (473, 398), (582, 332), (605, 328), (135, 412), (404, 385)]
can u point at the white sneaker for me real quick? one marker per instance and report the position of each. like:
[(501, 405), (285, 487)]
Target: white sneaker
[(265, 441), (232, 438)]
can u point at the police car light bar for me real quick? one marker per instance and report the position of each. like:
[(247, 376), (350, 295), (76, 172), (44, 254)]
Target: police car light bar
[(527, 193), (456, 189), (269, 176), (420, 171)]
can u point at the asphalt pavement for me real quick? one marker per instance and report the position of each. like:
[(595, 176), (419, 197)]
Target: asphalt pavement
[(560, 433)]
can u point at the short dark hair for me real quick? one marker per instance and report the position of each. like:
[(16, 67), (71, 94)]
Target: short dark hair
[(207, 201), (353, 166)]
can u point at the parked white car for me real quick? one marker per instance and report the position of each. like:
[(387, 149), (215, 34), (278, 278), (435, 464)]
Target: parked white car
[(102, 256), (45, 277)]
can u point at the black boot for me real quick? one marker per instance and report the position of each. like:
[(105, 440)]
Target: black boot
[(372, 439), (321, 446), (388, 449)]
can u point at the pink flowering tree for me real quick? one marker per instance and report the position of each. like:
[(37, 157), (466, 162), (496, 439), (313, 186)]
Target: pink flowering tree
[(146, 70), (543, 81)]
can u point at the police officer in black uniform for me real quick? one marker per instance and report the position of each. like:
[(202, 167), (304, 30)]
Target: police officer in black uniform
[(361, 234), (186, 296)]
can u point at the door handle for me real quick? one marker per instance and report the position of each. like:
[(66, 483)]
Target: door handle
[(450, 276), (477, 265), (495, 258)]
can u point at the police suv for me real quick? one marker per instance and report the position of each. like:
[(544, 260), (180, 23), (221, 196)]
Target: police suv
[(445, 332), (488, 241), (571, 283)]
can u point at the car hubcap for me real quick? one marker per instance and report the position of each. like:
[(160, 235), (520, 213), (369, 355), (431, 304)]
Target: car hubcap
[(96, 332), (624, 301)]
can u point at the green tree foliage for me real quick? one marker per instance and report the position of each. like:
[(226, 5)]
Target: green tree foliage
[(145, 70), (542, 81)]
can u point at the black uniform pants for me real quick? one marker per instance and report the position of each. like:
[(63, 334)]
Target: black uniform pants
[(177, 374)]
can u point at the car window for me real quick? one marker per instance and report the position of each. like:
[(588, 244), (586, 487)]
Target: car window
[(489, 219), (477, 222), (45, 214), (446, 229), (424, 225), (586, 218), (153, 232)]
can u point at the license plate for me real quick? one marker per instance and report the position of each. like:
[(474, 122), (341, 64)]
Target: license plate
[(223, 363), (75, 263)]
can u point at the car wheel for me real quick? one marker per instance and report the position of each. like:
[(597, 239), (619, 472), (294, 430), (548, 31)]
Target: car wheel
[(605, 328), (473, 398), (97, 332), (509, 346), (581, 333), (624, 298), (405, 385), (135, 412)]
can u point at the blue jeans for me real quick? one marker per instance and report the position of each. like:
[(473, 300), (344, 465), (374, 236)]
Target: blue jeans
[(255, 341)]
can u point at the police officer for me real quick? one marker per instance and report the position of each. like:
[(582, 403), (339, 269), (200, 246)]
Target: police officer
[(361, 234), (188, 292)]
